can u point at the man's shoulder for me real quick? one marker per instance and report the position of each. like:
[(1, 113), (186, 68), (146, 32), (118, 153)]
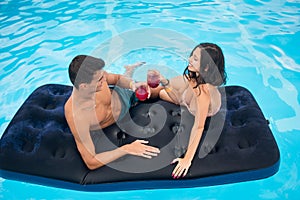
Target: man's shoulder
[(67, 106), (75, 118), (72, 112)]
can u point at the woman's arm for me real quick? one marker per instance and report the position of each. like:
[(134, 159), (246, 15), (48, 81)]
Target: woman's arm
[(172, 89), (183, 165)]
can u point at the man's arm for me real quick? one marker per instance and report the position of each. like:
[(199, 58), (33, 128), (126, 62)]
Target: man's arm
[(119, 79), (92, 160)]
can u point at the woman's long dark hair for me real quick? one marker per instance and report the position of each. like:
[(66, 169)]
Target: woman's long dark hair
[(212, 66)]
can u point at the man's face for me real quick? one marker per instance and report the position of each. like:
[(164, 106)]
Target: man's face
[(98, 80), (96, 84)]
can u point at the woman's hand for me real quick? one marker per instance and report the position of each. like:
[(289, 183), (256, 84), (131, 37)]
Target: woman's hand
[(139, 148), (181, 168), (164, 81)]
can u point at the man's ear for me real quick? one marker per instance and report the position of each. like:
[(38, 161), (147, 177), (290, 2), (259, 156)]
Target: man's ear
[(82, 85), (206, 68)]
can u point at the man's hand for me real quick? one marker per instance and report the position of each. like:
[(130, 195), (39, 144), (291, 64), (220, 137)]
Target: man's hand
[(139, 148), (136, 85)]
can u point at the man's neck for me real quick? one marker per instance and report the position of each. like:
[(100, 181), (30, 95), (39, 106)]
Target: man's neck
[(82, 99)]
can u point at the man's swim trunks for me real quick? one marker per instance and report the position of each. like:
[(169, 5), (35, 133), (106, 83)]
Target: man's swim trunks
[(127, 99)]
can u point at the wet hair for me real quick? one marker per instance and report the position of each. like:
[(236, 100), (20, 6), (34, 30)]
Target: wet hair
[(82, 69), (212, 66)]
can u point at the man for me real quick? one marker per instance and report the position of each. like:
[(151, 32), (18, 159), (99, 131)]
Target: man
[(92, 106)]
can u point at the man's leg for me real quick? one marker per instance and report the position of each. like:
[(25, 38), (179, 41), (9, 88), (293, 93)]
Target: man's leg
[(131, 68)]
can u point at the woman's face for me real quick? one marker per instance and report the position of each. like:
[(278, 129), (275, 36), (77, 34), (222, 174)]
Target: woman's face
[(194, 61)]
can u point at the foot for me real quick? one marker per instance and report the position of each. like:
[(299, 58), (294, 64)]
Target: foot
[(130, 68)]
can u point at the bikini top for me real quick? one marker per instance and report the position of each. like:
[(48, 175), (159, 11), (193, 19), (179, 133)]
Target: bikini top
[(214, 106)]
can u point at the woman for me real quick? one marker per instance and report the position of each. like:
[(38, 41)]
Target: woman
[(197, 90)]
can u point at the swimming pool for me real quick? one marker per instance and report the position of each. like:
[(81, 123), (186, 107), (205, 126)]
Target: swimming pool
[(259, 39)]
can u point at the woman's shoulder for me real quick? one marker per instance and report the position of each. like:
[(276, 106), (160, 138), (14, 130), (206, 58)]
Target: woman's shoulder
[(179, 82), (178, 78), (212, 88), (215, 99)]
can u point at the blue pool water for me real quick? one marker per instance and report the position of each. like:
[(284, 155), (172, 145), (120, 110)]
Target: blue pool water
[(260, 40)]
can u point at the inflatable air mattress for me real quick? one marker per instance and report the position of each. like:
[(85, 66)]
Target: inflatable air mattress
[(237, 145)]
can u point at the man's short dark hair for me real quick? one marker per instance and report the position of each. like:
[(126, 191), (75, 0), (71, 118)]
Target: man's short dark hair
[(82, 69)]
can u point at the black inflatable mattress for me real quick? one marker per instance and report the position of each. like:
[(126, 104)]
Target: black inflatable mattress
[(237, 145)]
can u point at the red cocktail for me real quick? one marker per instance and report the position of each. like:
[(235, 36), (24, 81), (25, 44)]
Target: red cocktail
[(153, 78), (142, 93)]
